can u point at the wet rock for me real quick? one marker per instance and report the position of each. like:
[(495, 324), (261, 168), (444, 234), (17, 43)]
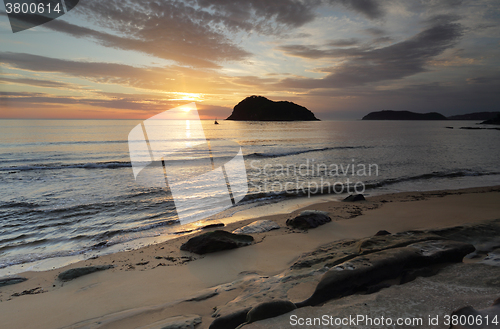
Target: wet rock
[(363, 271), (355, 197), (230, 321), (214, 225), (11, 280), (203, 296), (270, 310), (493, 259), (309, 219), (81, 271), (216, 241), (177, 322), (257, 227), (468, 312), (34, 291)]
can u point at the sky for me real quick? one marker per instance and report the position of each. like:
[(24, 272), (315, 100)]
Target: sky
[(120, 59)]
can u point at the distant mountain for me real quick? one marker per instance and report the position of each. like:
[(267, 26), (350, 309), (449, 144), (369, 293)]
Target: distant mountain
[(478, 116), (403, 115), (493, 121), (259, 108)]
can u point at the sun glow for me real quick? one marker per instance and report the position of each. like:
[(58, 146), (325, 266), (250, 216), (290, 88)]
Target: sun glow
[(193, 97)]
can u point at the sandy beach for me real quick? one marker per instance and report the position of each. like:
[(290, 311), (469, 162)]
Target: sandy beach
[(158, 282)]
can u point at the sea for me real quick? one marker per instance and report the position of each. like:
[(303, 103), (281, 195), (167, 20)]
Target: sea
[(69, 192)]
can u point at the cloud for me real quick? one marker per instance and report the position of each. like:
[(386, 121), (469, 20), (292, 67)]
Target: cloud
[(367, 65), (375, 31), (39, 83), (200, 50), (153, 78), (369, 8), (343, 42), (258, 14), (196, 33)]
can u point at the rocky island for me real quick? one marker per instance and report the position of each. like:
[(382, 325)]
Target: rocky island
[(492, 121), (403, 115), (259, 108)]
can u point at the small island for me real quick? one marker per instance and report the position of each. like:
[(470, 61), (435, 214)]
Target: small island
[(259, 108), (492, 121), (475, 116), (403, 115)]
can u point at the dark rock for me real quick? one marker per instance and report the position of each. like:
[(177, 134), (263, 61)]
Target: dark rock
[(216, 241), (492, 121), (230, 321), (11, 280), (412, 274), (382, 232), (487, 313), (34, 291), (203, 296), (361, 272), (142, 263), (270, 310), (355, 197), (214, 225), (403, 115), (257, 227), (81, 271), (309, 219), (258, 108)]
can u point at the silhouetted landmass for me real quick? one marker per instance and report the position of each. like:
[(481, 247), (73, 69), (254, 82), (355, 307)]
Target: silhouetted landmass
[(475, 116), (403, 115), (258, 108), (494, 121)]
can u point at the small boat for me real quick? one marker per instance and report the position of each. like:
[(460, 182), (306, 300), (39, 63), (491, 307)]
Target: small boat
[(216, 123)]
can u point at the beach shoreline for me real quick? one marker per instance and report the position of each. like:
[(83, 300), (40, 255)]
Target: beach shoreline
[(160, 276)]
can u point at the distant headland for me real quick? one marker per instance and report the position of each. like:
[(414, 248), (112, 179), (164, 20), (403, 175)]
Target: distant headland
[(259, 108), (492, 121), (403, 115)]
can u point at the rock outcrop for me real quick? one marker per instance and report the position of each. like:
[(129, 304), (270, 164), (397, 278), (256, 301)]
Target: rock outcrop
[(258, 227), (258, 108), (493, 121), (11, 280), (81, 271), (309, 219), (216, 241)]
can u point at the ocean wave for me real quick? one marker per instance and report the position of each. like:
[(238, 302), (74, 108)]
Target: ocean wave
[(436, 174), (276, 196), (90, 165), (284, 154)]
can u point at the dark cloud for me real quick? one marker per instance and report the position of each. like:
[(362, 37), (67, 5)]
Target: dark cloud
[(193, 46), (370, 8), (375, 31), (124, 102), (366, 65), (485, 79), (195, 32), (153, 78), (39, 83), (343, 42)]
